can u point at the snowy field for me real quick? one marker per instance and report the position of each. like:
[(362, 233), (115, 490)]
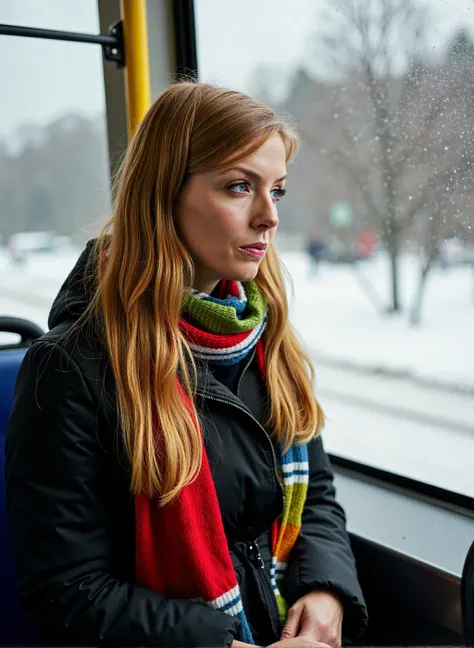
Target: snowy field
[(397, 397), (337, 320), (331, 311)]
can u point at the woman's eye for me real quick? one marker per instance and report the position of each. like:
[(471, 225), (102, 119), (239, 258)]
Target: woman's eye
[(278, 193), (239, 187)]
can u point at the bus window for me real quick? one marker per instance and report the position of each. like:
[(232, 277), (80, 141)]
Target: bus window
[(377, 228), (54, 169)]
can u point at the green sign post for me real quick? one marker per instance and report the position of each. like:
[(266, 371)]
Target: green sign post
[(341, 214)]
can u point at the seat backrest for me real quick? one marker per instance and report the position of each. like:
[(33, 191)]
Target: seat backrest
[(13, 628)]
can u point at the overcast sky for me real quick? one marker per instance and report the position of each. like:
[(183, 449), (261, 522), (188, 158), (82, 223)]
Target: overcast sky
[(41, 80)]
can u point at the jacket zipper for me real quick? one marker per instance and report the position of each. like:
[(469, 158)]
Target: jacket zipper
[(269, 599), (255, 549), (253, 546), (227, 402)]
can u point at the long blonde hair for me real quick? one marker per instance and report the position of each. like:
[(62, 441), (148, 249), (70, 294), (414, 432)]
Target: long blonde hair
[(191, 128)]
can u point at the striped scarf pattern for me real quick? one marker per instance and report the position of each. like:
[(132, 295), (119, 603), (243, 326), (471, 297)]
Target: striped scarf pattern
[(189, 530), (295, 474), (224, 328)]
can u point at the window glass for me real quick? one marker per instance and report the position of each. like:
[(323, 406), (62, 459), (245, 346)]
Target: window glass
[(66, 15), (54, 177), (377, 228)]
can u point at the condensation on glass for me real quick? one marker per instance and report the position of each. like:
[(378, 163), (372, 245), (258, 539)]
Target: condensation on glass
[(377, 228)]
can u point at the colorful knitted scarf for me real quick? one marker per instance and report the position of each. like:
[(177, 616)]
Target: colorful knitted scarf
[(181, 548)]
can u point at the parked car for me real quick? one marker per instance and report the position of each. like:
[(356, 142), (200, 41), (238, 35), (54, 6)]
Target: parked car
[(23, 244)]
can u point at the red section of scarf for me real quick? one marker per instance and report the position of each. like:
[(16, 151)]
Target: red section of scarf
[(181, 548)]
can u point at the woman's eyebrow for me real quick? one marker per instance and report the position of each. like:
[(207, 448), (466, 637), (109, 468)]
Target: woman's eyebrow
[(252, 174)]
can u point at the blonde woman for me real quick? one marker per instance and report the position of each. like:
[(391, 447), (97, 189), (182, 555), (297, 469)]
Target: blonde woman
[(166, 481)]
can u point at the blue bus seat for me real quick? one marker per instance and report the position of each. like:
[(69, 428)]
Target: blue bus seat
[(14, 630)]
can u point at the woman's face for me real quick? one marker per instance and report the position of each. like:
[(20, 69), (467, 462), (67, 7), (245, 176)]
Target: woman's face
[(227, 218)]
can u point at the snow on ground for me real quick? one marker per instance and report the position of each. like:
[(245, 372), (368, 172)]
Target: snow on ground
[(337, 320), (28, 291), (399, 425), (434, 455), (385, 420), (331, 312)]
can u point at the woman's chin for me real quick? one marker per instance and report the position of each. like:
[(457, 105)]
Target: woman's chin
[(248, 275), (240, 272)]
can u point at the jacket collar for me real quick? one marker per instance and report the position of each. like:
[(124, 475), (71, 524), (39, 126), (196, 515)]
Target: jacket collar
[(209, 386)]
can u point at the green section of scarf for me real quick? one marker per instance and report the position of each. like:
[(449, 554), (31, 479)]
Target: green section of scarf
[(223, 320)]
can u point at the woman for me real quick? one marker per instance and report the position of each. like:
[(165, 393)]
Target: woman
[(166, 482)]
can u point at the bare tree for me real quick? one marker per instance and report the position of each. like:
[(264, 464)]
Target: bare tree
[(435, 224), (431, 222), (399, 118)]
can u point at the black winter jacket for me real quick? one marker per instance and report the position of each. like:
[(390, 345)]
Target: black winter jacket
[(71, 512)]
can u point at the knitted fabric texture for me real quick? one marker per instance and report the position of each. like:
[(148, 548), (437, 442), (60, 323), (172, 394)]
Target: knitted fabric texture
[(227, 327), (224, 316), (181, 548)]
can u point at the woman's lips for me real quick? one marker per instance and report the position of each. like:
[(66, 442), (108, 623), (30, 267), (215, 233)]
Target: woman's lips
[(258, 252)]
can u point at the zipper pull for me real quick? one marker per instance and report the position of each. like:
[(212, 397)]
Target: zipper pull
[(254, 547)]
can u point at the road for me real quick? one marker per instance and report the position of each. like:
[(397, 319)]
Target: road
[(395, 423)]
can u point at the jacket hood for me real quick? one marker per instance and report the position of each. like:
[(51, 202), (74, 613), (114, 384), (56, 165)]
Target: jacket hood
[(75, 294)]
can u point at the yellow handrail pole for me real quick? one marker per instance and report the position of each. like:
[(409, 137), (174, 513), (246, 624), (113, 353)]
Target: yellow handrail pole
[(137, 68)]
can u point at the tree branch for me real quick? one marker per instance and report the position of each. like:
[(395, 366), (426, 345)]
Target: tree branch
[(433, 185), (356, 174), (416, 142)]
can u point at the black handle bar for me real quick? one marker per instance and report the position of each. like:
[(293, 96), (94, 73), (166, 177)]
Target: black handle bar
[(22, 327)]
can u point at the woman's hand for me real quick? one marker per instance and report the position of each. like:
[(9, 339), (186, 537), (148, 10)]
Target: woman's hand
[(298, 642), (316, 617)]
